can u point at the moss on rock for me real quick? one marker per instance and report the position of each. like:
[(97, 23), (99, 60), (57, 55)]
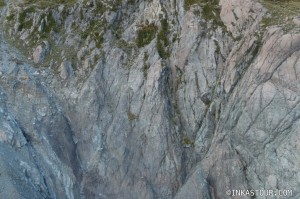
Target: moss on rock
[(145, 34)]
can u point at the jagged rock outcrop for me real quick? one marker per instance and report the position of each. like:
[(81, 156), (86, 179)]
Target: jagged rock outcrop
[(147, 99), (41, 52)]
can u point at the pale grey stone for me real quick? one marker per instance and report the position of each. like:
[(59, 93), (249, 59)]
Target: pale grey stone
[(117, 121), (66, 70), (296, 20), (41, 52)]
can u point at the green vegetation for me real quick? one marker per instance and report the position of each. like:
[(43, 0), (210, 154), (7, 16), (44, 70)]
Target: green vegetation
[(163, 40), (95, 31), (131, 116), (51, 24), (187, 142), (257, 47), (210, 10), (145, 66), (145, 35), (117, 31), (2, 3), (99, 39), (218, 49), (126, 47), (47, 3), (49, 29), (281, 13), (131, 51), (131, 2), (100, 7), (24, 22), (10, 17), (189, 3), (115, 5), (25, 25)]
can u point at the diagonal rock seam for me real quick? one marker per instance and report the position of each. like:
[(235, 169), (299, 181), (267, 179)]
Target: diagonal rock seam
[(207, 101)]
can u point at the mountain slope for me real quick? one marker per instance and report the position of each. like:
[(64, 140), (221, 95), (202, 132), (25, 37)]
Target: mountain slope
[(148, 99)]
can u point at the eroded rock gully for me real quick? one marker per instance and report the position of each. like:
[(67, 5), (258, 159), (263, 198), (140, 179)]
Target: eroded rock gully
[(147, 99)]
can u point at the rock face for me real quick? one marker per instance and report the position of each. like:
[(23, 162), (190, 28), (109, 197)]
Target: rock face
[(166, 100), (40, 53), (66, 70)]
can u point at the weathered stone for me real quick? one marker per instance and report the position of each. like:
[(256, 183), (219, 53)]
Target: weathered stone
[(296, 20), (110, 17), (209, 105), (41, 52), (66, 70), (42, 25)]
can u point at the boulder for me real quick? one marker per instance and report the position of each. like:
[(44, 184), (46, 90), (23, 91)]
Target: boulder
[(41, 52), (296, 20), (66, 70)]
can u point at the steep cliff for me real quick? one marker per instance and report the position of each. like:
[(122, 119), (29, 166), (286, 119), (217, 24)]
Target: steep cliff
[(149, 99)]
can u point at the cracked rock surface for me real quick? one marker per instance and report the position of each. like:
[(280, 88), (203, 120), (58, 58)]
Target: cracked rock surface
[(205, 103)]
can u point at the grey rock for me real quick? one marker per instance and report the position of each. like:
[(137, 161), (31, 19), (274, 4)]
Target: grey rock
[(215, 110), (296, 20), (206, 98), (41, 52), (42, 25), (81, 53), (110, 17), (66, 70)]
